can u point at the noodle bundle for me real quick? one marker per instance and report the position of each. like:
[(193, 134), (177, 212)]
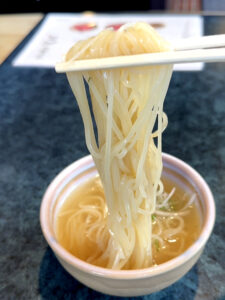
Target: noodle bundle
[(127, 105)]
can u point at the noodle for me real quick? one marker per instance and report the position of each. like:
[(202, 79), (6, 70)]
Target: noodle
[(128, 106)]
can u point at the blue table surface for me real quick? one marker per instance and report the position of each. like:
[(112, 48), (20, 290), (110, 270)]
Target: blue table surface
[(41, 132)]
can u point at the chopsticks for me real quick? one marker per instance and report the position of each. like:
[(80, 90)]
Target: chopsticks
[(208, 41), (186, 51)]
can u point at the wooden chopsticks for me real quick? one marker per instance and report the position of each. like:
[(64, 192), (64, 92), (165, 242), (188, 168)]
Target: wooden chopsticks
[(186, 51)]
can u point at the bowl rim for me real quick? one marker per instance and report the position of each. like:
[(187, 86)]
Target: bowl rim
[(128, 274)]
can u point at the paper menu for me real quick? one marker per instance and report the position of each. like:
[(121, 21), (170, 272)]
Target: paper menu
[(59, 32)]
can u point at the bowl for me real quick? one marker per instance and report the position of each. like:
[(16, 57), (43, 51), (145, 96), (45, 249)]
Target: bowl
[(127, 282)]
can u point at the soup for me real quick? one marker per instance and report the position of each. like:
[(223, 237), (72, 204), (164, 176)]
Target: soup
[(175, 226)]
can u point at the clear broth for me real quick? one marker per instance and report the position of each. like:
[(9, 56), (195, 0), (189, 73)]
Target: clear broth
[(173, 246)]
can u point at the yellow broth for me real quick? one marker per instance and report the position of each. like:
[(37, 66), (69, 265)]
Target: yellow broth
[(82, 246)]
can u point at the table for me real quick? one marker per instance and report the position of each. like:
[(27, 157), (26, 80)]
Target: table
[(41, 132), (13, 29)]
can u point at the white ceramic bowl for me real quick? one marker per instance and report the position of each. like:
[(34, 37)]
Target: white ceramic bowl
[(133, 282)]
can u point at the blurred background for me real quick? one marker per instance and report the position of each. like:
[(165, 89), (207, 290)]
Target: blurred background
[(45, 6), (18, 18)]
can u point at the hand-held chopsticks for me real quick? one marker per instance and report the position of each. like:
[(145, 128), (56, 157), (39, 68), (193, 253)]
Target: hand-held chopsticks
[(180, 55)]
